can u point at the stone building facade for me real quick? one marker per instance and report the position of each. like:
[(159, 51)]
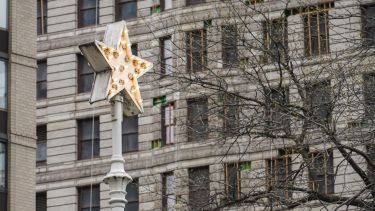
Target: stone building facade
[(74, 137), (17, 104)]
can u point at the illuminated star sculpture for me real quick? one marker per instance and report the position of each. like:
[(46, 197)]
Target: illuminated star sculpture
[(116, 68)]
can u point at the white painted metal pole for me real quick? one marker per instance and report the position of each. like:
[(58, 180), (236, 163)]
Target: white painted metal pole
[(117, 178)]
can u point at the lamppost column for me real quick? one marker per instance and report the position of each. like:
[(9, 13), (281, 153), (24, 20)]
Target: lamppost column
[(117, 178)]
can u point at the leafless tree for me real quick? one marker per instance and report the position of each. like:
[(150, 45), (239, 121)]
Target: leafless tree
[(284, 92)]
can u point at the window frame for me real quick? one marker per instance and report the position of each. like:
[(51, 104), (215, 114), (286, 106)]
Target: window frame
[(226, 45), (317, 11), (38, 81), (96, 186), (192, 136), (269, 38), (4, 190), (194, 2), (81, 61), (164, 127), (273, 108), (272, 174), (311, 90), (43, 17), (80, 10), (125, 133), (163, 59), (43, 141), (364, 22), (165, 195), (236, 194), (314, 185), (135, 183), (202, 51), (119, 3), (44, 195), (230, 130), (199, 188), (80, 141)]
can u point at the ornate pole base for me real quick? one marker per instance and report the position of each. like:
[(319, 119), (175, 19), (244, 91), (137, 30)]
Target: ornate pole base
[(117, 185)]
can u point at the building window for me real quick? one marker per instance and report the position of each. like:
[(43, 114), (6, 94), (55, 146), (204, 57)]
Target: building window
[(132, 196), (134, 49), (233, 181), (194, 2), (126, 9), (3, 85), (130, 134), (275, 40), (369, 95), (231, 111), (276, 109), (370, 169), (41, 150), (196, 50), (41, 201), (4, 14), (88, 13), (167, 123), (319, 101), (169, 193), (316, 30), (199, 187), (85, 75), (89, 198), (3, 98), (88, 140), (279, 173), (368, 24), (197, 119), (3, 174), (41, 17), (322, 164), (166, 52), (165, 4), (41, 80), (229, 46)]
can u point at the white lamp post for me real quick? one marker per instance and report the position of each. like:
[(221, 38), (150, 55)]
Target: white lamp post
[(116, 73)]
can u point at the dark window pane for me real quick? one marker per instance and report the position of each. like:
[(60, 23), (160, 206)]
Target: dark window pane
[(232, 182), (319, 96), (41, 79), (2, 166), (126, 10), (85, 75), (130, 134), (85, 136), (41, 151), (41, 201), (88, 17), (3, 122), (196, 50), (84, 197), (87, 4), (369, 25), (88, 14), (130, 142), (194, 2), (3, 201), (132, 196), (199, 187), (229, 45), (134, 48), (197, 119)]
